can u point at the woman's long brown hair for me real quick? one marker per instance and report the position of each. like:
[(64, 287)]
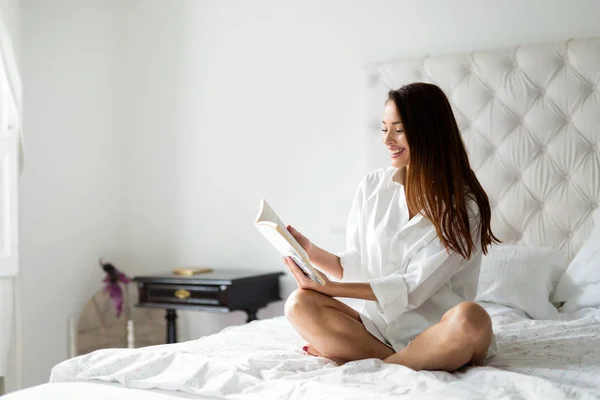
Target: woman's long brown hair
[(439, 179)]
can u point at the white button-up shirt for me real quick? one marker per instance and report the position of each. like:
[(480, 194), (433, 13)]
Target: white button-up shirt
[(414, 277)]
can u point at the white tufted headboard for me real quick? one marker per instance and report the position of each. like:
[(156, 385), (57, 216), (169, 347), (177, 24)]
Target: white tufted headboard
[(530, 118)]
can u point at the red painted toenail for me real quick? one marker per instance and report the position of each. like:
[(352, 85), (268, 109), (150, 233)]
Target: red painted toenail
[(305, 348)]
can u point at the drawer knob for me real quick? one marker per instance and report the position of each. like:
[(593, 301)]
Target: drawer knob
[(182, 294)]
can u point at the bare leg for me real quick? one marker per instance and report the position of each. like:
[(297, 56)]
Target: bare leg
[(462, 336), (332, 328)]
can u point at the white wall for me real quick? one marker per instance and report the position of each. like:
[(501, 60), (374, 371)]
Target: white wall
[(218, 103), (265, 102), (71, 191)]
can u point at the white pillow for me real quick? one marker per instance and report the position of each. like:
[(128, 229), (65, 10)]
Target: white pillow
[(579, 287), (522, 278)]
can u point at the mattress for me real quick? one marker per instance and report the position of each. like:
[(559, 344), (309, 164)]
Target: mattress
[(264, 360)]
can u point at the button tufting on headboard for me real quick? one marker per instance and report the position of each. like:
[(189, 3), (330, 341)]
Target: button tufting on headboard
[(530, 118)]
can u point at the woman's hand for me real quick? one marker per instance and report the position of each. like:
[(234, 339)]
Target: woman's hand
[(358, 290), (304, 282), (303, 240)]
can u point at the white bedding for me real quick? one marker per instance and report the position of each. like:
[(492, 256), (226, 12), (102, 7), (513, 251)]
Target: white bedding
[(95, 390), (537, 359)]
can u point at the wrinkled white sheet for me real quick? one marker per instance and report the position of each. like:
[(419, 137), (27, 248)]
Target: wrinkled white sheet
[(264, 360), (96, 390)]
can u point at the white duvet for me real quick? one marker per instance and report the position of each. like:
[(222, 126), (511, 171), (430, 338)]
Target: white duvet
[(264, 360)]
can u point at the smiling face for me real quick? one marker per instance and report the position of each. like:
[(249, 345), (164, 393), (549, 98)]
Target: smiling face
[(394, 137)]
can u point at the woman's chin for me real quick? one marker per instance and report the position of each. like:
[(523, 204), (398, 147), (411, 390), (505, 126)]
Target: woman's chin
[(399, 163)]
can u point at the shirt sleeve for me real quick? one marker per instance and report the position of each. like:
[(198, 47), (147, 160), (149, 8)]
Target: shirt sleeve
[(429, 270), (350, 259)]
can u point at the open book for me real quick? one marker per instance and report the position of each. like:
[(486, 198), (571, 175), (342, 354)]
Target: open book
[(269, 224)]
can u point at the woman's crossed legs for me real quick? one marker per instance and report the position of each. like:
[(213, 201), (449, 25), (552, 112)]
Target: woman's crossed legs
[(335, 331)]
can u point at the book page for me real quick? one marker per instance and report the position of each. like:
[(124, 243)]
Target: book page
[(285, 248), (275, 231)]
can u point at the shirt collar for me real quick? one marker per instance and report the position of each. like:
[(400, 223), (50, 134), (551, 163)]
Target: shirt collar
[(397, 176)]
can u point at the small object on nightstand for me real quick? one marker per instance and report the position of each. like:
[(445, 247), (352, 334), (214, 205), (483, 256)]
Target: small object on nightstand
[(191, 271)]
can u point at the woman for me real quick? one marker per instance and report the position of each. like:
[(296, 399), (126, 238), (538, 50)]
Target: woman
[(416, 232)]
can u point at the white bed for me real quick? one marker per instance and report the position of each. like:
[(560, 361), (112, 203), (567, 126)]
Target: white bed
[(531, 120), (263, 360)]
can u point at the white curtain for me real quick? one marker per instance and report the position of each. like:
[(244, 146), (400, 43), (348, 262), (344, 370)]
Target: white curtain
[(10, 61), (11, 156), (6, 322)]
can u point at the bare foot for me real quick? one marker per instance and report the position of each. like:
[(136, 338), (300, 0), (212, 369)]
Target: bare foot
[(309, 349)]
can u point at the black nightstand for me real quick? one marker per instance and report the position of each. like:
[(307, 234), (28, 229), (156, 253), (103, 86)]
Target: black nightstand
[(221, 291)]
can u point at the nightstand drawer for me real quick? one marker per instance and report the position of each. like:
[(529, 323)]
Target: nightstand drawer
[(182, 294)]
